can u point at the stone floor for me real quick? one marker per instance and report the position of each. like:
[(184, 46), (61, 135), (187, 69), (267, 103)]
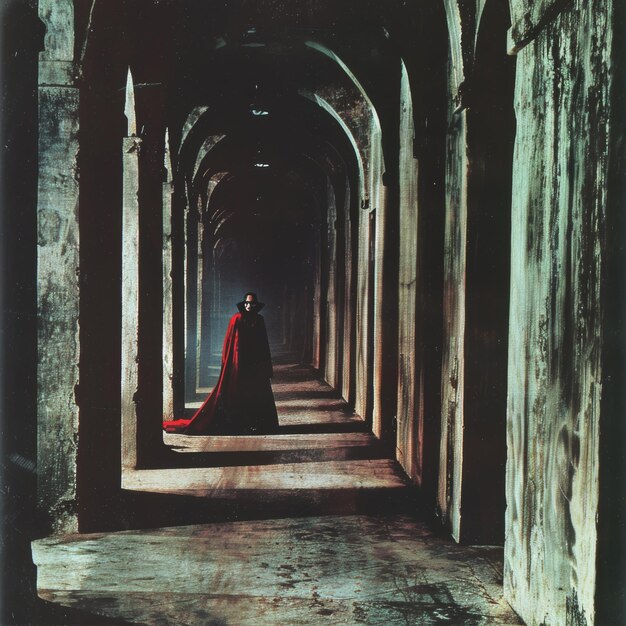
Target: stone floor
[(317, 570), (304, 403), (315, 548), (321, 446)]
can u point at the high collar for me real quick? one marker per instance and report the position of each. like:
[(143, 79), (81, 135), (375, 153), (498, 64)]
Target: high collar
[(259, 306)]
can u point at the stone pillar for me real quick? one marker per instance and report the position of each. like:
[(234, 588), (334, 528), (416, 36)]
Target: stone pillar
[(201, 302), (168, 299), (349, 299), (377, 324), (131, 150), (191, 300), (206, 312), (330, 362), (455, 244), (409, 440), (362, 313), (317, 299), (57, 269), (453, 382), (557, 336), (215, 340), (178, 295)]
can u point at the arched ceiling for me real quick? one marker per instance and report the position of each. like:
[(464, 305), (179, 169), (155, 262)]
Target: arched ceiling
[(268, 92), (264, 127), (253, 77)]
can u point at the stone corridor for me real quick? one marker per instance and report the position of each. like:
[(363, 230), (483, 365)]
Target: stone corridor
[(387, 570), (344, 567), (427, 198), (322, 450)]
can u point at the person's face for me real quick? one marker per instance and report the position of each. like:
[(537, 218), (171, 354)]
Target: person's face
[(249, 304)]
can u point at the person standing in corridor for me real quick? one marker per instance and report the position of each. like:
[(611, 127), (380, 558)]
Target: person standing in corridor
[(242, 402)]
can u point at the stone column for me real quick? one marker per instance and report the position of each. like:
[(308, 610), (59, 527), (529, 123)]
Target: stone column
[(362, 314), (455, 244), (200, 296), (349, 298), (557, 337), (330, 363), (131, 149), (57, 269), (377, 324), (168, 300), (178, 295), (408, 437), (317, 298), (480, 128), (453, 371), (205, 287), (191, 300)]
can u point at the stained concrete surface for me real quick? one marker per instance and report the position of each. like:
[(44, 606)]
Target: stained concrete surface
[(557, 335), (358, 565), (303, 401), (308, 456), (314, 425), (333, 570)]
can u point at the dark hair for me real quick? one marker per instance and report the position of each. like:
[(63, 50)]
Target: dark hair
[(256, 305)]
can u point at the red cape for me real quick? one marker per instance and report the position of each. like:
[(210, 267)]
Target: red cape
[(236, 392)]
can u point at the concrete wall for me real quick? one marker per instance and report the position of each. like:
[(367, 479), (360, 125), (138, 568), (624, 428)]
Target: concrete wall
[(57, 269), (330, 362), (347, 378), (558, 257), (528, 17), (452, 366), (168, 300), (409, 440), (453, 370)]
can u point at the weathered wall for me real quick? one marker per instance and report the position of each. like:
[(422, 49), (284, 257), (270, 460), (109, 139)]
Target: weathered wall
[(384, 249), (350, 255), (131, 151), (408, 439), (168, 300), (330, 315), (191, 299), (130, 299), (452, 369), (529, 17), (559, 199), (57, 267)]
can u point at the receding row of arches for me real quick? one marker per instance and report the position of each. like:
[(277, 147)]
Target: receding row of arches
[(302, 188), (354, 165), (313, 170)]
